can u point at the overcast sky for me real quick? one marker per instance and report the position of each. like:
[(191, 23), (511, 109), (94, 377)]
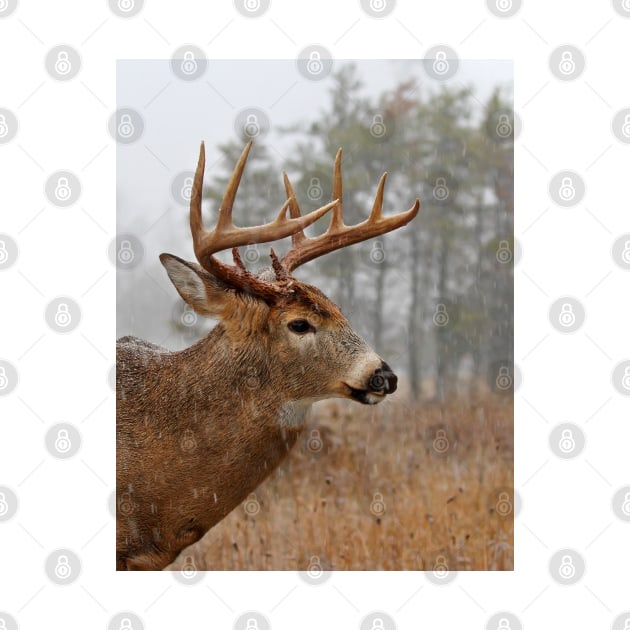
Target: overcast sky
[(178, 114)]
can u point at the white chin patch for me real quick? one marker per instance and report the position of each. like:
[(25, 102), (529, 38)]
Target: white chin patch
[(295, 413), (373, 399)]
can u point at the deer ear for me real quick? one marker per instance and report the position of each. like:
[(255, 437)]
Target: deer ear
[(200, 290)]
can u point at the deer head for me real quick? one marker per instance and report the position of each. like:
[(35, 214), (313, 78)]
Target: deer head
[(301, 342), (199, 429)]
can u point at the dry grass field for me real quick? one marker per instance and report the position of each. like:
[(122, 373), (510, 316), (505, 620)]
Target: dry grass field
[(394, 487)]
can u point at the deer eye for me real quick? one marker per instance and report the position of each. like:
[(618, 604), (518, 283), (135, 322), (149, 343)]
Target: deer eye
[(300, 326)]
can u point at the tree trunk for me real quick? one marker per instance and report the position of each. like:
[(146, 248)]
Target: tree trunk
[(442, 332), (414, 312)]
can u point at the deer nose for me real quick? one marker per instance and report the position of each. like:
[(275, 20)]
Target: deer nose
[(383, 379)]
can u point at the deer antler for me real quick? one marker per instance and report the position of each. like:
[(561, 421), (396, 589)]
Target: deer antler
[(226, 235), (338, 234)]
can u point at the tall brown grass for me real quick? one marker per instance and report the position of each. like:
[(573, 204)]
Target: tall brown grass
[(394, 487)]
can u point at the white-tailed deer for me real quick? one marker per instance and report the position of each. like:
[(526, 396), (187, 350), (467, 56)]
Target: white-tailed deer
[(200, 429)]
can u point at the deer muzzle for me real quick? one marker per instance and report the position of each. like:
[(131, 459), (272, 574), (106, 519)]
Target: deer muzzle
[(383, 380)]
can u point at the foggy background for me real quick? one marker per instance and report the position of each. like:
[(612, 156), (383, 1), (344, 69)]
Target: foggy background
[(435, 298)]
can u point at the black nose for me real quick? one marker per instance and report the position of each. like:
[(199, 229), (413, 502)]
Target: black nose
[(383, 379)]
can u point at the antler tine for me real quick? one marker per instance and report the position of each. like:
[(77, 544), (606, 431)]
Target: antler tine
[(377, 207), (226, 235), (336, 221), (294, 209), (340, 235), (196, 224), (225, 213)]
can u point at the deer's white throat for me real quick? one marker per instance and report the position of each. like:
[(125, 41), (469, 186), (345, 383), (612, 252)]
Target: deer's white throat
[(295, 412)]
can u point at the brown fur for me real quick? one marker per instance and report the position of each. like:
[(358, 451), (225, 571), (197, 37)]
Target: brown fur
[(198, 430)]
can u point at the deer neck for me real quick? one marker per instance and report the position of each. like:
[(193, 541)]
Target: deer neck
[(235, 390), (241, 378)]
